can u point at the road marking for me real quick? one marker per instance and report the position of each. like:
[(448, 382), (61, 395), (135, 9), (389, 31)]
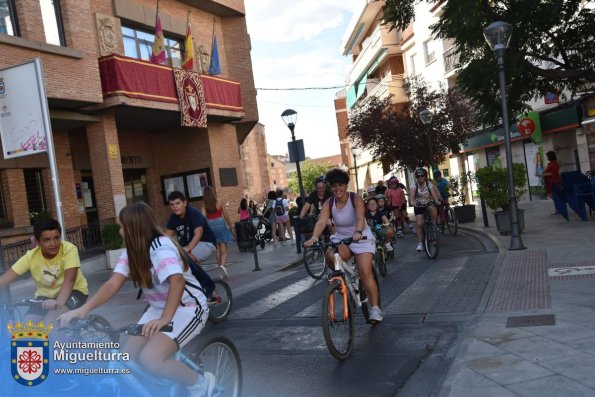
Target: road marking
[(571, 271), (275, 299)]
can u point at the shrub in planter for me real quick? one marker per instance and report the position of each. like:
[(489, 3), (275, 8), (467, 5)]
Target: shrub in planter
[(459, 189), (493, 185), (110, 236)]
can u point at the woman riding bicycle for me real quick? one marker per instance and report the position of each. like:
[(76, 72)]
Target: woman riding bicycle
[(423, 196), (347, 211), (155, 263)]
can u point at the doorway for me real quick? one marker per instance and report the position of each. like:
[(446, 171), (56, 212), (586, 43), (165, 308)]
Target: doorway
[(135, 186)]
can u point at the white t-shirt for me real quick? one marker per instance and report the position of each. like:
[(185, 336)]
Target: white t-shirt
[(165, 260)]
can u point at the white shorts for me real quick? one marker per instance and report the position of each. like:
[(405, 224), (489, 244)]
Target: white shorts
[(188, 322), (203, 250)]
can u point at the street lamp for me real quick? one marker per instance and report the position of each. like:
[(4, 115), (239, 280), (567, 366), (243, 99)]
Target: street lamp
[(426, 118), (355, 151), (498, 36), (289, 117)]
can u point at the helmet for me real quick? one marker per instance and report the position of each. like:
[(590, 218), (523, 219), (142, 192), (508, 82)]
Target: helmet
[(393, 179), (421, 171), (381, 197), (381, 182), (437, 173), (371, 189)]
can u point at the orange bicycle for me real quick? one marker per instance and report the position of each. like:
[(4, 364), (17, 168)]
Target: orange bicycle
[(344, 293)]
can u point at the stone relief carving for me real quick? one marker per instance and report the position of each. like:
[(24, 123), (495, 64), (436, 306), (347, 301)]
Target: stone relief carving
[(106, 32)]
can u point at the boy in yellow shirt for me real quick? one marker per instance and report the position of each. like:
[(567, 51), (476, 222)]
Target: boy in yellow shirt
[(55, 266)]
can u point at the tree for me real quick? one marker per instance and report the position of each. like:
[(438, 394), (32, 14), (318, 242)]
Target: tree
[(310, 171), (396, 135), (551, 48)]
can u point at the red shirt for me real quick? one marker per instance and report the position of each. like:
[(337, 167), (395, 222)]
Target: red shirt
[(553, 179)]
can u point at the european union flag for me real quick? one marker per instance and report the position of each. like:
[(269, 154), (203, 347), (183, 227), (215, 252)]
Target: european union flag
[(215, 66)]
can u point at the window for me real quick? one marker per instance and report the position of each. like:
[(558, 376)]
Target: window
[(412, 65), (139, 44), (429, 53), (52, 22), (34, 188), (191, 183), (8, 18)]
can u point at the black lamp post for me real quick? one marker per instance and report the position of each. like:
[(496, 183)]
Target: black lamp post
[(426, 118), (355, 152), (498, 37), (289, 117)]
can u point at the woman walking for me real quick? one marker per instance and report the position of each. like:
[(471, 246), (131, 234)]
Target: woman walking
[(551, 174), (220, 224), (269, 213)]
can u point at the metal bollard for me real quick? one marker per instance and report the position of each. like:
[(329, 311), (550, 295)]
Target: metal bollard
[(484, 212), (254, 249), (298, 234)]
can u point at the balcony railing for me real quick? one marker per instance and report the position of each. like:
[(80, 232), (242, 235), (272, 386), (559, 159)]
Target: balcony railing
[(451, 58)]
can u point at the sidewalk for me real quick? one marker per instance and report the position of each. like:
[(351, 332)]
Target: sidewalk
[(534, 333)]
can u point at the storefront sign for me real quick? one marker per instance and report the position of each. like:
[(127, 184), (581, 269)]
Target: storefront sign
[(529, 126), (551, 97), (132, 160)]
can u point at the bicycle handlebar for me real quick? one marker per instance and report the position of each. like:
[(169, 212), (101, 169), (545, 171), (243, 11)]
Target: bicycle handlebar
[(131, 329), (346, 241)]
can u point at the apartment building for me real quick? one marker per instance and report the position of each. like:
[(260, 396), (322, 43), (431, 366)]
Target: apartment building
[(115, 116)]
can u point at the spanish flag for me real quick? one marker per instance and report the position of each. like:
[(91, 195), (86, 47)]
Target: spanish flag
[(158, 55), (188, 62)]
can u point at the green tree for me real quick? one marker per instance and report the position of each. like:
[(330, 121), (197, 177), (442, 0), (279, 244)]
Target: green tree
[(396, 135), (551, 48), (310, 171)]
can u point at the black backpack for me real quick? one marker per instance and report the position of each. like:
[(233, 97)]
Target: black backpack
[(279, 207)]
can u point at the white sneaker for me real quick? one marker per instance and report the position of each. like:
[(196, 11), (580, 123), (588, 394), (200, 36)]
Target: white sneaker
[(412, 228), (388, 247), (376, 314), (204, 387), (292, 242), (223, 271), (419, 247)]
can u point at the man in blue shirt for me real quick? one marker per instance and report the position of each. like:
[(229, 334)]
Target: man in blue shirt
[(191, 228), (442, 185)]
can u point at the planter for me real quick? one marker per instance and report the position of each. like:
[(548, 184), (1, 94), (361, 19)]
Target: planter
[(465, 213), (503, 221), (112, 256)]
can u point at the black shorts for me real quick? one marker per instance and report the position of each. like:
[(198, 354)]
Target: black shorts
[(76, 299), (421, 210)]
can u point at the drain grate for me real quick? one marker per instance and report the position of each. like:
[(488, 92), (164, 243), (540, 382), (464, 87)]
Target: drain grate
[(531, 321)]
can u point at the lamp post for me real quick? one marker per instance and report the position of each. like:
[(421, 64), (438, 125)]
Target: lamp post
[(355, 152), (289, 117), (426, 118), (498, 37)]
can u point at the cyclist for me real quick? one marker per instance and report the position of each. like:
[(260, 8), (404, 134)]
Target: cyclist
[(55, 267), (315, 201), (347, 211), (371, 191), (156, 263), (380, 188), (442, 185), (379, 223), (423, 196), (382, 207), (397, 200)]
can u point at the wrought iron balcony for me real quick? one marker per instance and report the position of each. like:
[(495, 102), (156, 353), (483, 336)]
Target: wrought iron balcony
[(451, 58)]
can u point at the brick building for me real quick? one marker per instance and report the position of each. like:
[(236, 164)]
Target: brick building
[(255, 164), (115, 116)]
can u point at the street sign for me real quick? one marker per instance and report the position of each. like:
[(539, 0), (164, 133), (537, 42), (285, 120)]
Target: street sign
[(299, 145)]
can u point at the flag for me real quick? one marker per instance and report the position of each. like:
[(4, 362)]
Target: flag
[(158, 55), (215, 66), (188, 62)]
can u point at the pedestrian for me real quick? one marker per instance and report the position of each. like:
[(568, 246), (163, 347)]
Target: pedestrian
[(269, 213), (220, 223), (282, 212), (551, 175), (55, 267), (190, 227), (253, 208), (243, 210), (155, 263), (380, 187)]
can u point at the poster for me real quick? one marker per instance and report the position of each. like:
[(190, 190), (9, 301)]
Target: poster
[(22, 127), (535, 163)]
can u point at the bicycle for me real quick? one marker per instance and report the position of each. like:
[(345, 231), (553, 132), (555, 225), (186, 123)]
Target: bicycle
[(344, 293), (380, 257), (431, 237), (315, 258), (447, 219), (220, 301), (218, 356)]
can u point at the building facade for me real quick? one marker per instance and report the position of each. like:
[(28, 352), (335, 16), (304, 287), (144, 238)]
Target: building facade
[(115, 116), (255, 165)]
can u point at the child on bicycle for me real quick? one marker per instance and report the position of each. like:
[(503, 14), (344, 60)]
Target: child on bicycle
[(423, 196), (157, 264), (55, 267), (395, 195), (379, 223)]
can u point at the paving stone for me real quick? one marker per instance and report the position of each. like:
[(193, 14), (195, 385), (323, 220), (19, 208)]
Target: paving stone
[(580, 367), (470, 383), (537, 348), (507, 369), (552, 386)]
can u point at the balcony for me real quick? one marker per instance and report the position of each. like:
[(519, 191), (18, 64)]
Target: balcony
[(150, 85), (371, 48), (451, 58)]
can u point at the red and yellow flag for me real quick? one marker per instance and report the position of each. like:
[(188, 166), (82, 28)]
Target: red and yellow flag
[(158, 55), (188, 62)]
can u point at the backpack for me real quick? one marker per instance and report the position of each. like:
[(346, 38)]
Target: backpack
[(279, 207), (331, 203)]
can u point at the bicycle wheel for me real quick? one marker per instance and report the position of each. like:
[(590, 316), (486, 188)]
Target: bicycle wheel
[(364, 297), (380, 261), (220, 301), (220, 357), (441, 220), (431, 240), (452, 222), (338, 332), (315, 262)]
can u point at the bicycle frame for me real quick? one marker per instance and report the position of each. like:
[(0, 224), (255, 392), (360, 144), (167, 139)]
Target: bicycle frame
[(342, 268)]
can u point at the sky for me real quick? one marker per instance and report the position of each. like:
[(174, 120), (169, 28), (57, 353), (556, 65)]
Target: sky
[(297, 44)]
